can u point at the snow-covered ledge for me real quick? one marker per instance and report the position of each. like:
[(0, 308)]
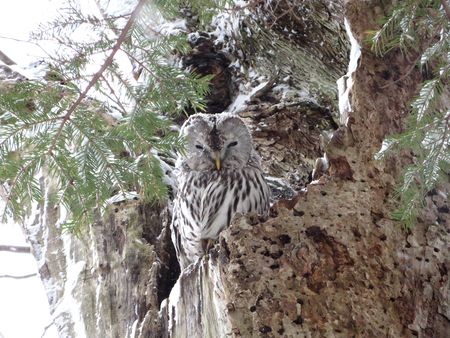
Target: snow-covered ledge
[(197, 305), (345, 83)]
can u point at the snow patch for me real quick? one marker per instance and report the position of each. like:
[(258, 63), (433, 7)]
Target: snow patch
[(168, 175), (133, 328), (345, 83), (226, 24), (287, 93), (68, 304), (121, 197), (173, 28), (245, 95), (199, 283)]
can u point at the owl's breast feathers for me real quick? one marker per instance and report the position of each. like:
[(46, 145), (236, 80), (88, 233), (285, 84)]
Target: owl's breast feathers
[(207, 201)]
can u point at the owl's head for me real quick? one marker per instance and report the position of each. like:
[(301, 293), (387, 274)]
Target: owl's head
[(215, 142)]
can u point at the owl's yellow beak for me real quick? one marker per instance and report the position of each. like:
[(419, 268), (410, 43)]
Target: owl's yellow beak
[(217, 160), (218, 163)]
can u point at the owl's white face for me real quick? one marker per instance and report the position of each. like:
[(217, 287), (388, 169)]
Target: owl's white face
[(216, 142)]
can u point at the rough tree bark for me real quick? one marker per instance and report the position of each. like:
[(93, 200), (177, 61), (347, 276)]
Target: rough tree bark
[(331, 262), (328, 263)]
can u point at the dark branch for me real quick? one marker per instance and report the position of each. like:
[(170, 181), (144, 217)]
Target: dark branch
[(19, 277), (15, 248), (4, 58)]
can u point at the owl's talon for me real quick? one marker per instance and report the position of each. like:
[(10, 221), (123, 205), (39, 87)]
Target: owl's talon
[(207, 244)]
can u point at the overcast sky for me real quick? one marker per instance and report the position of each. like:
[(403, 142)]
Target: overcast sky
[(17, 19), (23, 303)]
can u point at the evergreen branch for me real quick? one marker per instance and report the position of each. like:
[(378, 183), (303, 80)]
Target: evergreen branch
[(422, 26), (128, 87), (107, 163), (19, 175), (109, 19), (87, 159), (382, 39), (97, 76), (25, 126), (63, 173), (427, 96), (435, 50)]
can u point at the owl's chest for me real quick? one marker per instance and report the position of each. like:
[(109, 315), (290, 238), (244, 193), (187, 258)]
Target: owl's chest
[(208, 201), (206, 192), (201, 183)]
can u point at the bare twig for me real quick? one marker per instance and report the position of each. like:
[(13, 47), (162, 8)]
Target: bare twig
[(25, 41), (142, 65), (108, 117), (404, 76), (50, 325), (122, 37)]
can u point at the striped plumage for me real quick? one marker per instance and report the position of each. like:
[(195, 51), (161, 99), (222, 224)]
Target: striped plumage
[(218, 176)]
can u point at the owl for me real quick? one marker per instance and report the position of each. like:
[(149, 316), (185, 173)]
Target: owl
[(218, 176)]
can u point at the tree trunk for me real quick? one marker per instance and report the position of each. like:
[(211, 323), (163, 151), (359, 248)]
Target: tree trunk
[(330, 262)]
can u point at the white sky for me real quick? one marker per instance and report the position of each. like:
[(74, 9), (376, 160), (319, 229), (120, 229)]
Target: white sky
[(17, 19), (23, 304)]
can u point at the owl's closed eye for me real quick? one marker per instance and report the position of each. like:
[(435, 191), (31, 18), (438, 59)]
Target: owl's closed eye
[(216, 141)]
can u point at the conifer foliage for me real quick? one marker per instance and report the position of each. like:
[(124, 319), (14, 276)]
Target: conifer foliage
[(90, 126), (421, 27)]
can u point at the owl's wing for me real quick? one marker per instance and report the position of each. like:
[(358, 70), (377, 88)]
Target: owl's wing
[(186, 222)]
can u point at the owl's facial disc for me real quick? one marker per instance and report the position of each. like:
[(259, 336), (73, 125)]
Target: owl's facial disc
[(216, 142)]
